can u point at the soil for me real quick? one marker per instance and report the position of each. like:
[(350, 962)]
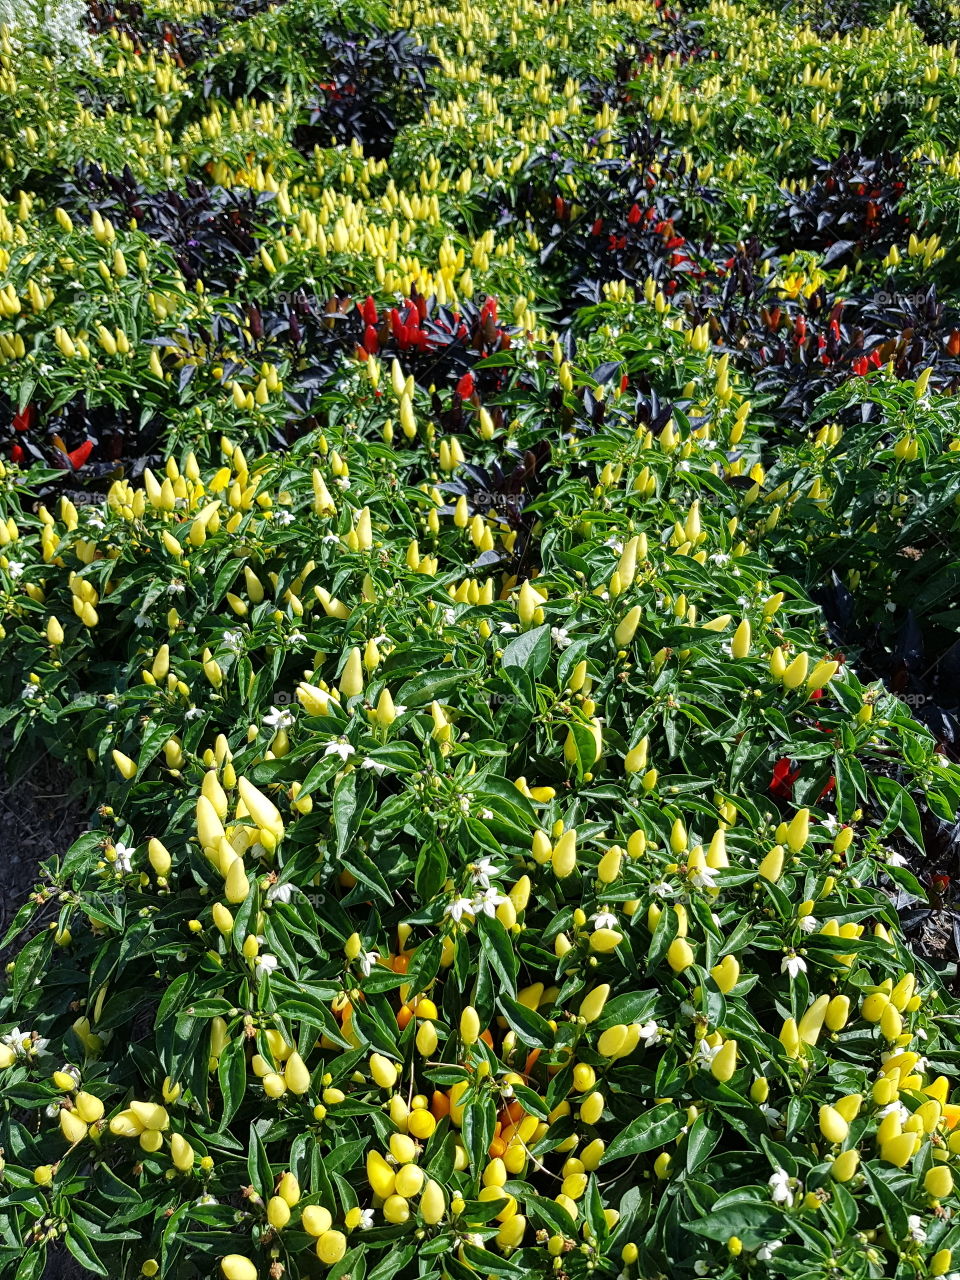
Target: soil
[(38, 817)]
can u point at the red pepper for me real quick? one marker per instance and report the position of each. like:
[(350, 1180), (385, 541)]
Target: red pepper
[(781, 784), (79, 455), (26, 418), (465, 386), (16, 454)]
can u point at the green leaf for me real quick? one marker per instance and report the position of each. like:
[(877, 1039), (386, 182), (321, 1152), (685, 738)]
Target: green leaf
[(431, 870), (889, 1188), (347, 811), (496, 945), (232, 1075), (655, 1128), (479, 1120), (530, 1026), (530, 651), (754, 1221), (78, 1242)]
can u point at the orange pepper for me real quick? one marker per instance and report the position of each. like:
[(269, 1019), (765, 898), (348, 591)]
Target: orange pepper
[(439, 1104)]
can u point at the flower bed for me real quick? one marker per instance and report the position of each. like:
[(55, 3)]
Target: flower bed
[(409, 545)]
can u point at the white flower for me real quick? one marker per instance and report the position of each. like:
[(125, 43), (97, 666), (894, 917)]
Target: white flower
[(487, 902), (706, 1053), (915, 1227), (192, 713), (367, 960), (766, 1251), (779, 1184), (341, 749), (141, 620), (366, 1219), (458, 908), (280, 892), (771, 1115), (267, 962), (894, 859), (719, 557), (894, 1108), (284, 516), (449, 617), (176, 587), (662, 889), (486, 814), (279, 718), (377, 766), (330, 537), (232, 640), (399, 708), (15, 568), (793, 964), (507, 628), (206, 1198), (30, 691), (296, 637), (482, 870), (831, 823), (605, 920), (649, 1034), (808, 924), (16, 1040), (701, 1268), (560, 637), (704, 878), (122, 862)]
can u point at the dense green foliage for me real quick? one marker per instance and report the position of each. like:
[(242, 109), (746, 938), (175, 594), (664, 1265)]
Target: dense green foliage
[(469, 472)]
